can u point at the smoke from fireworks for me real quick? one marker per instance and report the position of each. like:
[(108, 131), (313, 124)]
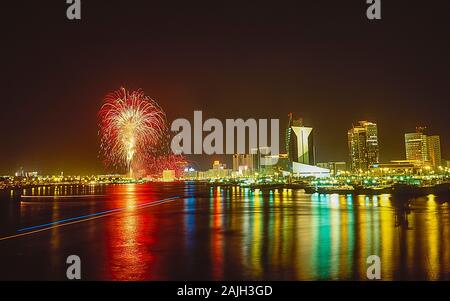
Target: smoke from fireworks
[(132, 128)]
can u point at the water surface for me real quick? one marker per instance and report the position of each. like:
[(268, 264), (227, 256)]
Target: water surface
[(214, 234)]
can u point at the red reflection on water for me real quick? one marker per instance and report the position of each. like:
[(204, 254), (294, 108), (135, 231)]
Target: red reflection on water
[(129, 238)]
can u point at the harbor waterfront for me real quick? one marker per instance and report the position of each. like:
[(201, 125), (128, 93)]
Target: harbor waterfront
[(199, 231)]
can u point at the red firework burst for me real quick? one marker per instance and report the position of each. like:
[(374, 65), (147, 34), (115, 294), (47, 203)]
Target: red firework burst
[(132, 126)]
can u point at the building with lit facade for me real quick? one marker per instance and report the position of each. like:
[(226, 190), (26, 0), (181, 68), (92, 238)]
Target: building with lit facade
[(423, 148), (274, 164), (299, 142), (416, 146), (261, 157), (334, 167), (300, 150), (397, 167), (242, 161), (218, 171), (306, 170), (363, 146), (434, 151), (258, 161), (217, 165)]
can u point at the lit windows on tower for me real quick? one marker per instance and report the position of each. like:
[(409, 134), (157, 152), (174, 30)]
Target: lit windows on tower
[(363, 146), (422, 148)]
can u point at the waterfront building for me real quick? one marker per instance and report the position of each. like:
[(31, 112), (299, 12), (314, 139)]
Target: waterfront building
[(397, 167), (218, 171), (306, 170), (334, 167), (217, 165), (242, 161), (299, 142), (261, 157), (363, 146), (190, 173), (416, 146), (274, 164), (256, 159), (300, 150), (218, 174), (434, 151), (423, 148)]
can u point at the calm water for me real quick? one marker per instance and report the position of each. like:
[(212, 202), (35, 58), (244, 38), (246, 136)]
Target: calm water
[(213, 233)]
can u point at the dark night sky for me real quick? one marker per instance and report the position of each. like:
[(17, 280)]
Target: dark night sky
[(322, 60)]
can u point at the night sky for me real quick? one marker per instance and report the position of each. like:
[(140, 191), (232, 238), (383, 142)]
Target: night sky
[(321, 60)]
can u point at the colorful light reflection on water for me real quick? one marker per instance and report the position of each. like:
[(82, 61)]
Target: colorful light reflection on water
[(234, 233)]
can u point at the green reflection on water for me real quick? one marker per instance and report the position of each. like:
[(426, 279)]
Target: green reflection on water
[(287, 234)]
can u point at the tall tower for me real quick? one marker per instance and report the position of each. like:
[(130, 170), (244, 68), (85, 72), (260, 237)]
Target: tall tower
[(434, 151), (363, 145), (373, 151), (299, 142)]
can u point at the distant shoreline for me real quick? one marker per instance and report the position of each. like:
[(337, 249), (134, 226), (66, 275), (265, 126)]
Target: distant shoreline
[(396, 189)]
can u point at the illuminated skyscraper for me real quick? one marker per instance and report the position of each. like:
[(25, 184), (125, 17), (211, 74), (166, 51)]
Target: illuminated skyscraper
[(416, 146), (357, 149), (434, 150), (363, 145), (299, 142), (422, 148)]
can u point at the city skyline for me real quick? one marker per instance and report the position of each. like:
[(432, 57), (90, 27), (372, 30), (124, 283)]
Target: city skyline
[(425, 150)]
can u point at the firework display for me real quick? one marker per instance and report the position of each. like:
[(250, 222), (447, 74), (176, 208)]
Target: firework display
[(132, 127)]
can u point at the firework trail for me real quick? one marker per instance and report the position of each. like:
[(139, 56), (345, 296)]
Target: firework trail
[(132, 127)]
